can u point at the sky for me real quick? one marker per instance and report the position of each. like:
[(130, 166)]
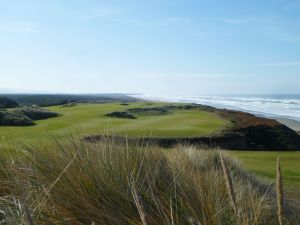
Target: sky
[(158, 47)]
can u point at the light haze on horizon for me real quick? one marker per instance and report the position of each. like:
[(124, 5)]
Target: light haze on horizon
[(171, 47)]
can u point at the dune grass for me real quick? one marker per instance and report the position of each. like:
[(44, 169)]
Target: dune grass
[(91, 119), (109, 183)]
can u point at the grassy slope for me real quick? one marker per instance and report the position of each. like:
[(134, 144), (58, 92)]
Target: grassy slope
[(263, 164), (107, 183), (91, 119)]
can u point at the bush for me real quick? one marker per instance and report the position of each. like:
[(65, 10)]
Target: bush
[(14, 119), (124, 115), (36, 113), (24, 116)]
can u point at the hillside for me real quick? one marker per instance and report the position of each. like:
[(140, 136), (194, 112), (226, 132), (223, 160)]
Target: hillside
[(243, 131), (108, 183), (24, 116), (89, 119), (61, 178), (161, 123), (260, 133)]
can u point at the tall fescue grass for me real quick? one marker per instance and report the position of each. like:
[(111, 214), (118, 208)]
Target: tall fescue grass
[(116, 183), (279, 192)]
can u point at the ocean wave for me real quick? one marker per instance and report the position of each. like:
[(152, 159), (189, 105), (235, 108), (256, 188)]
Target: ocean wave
[(271, 106)]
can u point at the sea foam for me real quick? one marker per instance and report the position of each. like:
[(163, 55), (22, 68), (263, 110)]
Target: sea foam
[(287, 106)]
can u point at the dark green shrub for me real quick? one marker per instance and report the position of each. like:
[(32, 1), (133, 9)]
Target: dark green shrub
[(24, 116), (8, 118), (36, 113), (124, 115)]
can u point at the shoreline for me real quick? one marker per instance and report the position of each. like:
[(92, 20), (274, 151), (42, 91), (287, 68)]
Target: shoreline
[(247, 132), (291, 123), (290, 120)]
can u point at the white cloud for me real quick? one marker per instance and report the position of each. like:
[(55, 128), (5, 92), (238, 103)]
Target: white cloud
[(291, 38), (171, 76), (100, 12), (124, 16), (172, 20), (295, 63), (17, 27), (104, 12), (164, 22), (240, 20), (134, 22)]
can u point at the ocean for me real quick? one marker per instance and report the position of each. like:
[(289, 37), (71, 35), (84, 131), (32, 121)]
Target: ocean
[(276, 106)]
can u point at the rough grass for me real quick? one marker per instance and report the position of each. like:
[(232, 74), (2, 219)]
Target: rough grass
[(263, 163), (92, 119), (109, 183)]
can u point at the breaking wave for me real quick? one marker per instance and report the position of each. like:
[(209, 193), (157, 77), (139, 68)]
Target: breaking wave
[(271, 106)]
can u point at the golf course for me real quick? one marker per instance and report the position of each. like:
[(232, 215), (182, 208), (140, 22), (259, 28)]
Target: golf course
[(90, 119), (84, 135)]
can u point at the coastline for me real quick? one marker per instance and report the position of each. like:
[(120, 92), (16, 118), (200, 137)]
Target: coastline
[(247, 132), (291, 123), (290, 118)]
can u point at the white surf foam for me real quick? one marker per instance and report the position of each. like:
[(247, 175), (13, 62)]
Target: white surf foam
[(280, 106)]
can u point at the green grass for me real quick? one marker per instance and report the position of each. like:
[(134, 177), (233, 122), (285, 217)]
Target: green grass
[(264, 163), (91, 119)]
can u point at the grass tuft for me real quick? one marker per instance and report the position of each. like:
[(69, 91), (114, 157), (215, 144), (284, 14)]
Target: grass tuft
[(139, 204), (229, 185), (279, 191), (113, 183)]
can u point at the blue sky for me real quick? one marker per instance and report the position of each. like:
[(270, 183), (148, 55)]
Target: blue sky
[(162, 47)]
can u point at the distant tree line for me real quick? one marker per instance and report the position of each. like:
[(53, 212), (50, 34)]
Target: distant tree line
[(12, 100), (6, 102)]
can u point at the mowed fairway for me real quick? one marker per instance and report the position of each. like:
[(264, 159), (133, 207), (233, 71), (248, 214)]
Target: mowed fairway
[(264, 164), (90, 119)]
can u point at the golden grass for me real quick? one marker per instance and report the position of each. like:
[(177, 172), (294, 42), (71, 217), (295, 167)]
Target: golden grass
[(139, 204), (279, 192), (111, 183), (229, 185)]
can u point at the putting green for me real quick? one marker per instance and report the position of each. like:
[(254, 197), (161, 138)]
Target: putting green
[(90, 119)]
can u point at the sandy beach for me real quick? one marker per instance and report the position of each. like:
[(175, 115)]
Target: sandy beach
[(293, 124)]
